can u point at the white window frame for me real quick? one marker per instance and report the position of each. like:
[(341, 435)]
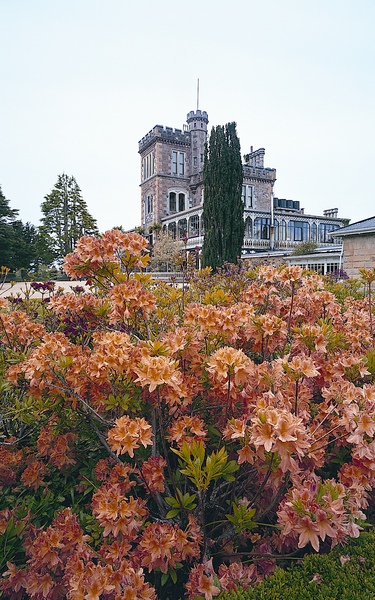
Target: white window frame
[(247, 195)]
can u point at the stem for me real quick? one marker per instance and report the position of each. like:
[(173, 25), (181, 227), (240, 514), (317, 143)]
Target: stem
[(201, 496), (370, 309), (321, 422), (296, 399), (166, 456), (154, 431), (291, 310), (77, 397), (327, 443), (103, 440), (276, 498), (327, 433), (264, 482)]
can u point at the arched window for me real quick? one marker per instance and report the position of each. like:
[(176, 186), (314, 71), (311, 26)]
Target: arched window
[(262, 228), (282, 230), (194, 226), (172, 229), (172, 202), (276, 229), (248, 228), (149, 204), (182, 228), (176, 201), (298, 231), (181, 202)]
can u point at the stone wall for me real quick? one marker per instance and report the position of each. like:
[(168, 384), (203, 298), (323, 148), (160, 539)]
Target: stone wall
[(359, 252)]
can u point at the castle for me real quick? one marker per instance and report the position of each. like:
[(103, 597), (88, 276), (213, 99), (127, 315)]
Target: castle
[(172, 194)]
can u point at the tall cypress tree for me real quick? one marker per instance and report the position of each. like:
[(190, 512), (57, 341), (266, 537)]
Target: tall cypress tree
[(65, 219), (223, 208)]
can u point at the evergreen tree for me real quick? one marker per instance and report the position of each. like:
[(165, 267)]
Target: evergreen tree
[(223, 208), (25, 252), (66, 219), (7, 234)]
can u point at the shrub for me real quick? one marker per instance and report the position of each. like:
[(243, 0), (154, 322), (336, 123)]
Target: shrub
[(346, 573), (166, 441)]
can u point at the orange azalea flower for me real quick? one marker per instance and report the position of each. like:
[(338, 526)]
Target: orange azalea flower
[(290, 274), (246, 454), (128, 434), (301, 366), (187, 428), (117, 513), (33, 474), (163, 545), (227, 362), (153, 473), (201, 582), (129, 300), (159, 370), (308, 533)]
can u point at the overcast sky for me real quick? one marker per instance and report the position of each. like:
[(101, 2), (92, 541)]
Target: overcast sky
[(82, 81)]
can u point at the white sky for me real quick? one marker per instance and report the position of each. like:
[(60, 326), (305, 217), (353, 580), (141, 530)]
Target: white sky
[(82, 81)]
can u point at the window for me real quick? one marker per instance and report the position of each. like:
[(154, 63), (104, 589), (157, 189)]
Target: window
[(247, 196), (148, 166), (276, 229), (149, 204), (195, 161), (181, 202), (176, 201), (181, 164), (194, 226), (262, 228), (248, 228), (325, 230), (182, 228), (172, 229), (178, 163), (283, 230), (172, 202), (298, 231)]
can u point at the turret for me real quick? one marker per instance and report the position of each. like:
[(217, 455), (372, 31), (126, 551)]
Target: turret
[(197, 125)]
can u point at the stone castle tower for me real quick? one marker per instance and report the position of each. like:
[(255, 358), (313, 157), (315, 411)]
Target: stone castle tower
[(172, 169)]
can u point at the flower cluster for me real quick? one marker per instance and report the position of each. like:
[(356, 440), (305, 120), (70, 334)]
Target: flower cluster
[(189, 427)]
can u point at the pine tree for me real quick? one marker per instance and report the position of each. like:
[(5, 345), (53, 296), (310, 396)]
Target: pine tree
[(7, 235), (66, 219), (25, 252), (223, 221)]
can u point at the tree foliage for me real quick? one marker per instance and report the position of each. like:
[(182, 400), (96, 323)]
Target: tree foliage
[(154, 447), (7, 235), (302, 248), (65, 220), (165, 252), (223, 222), (17, 239)]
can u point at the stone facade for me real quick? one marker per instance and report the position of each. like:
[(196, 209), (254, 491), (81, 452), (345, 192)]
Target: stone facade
[(358, 246), (172, 193), (359, 252)]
